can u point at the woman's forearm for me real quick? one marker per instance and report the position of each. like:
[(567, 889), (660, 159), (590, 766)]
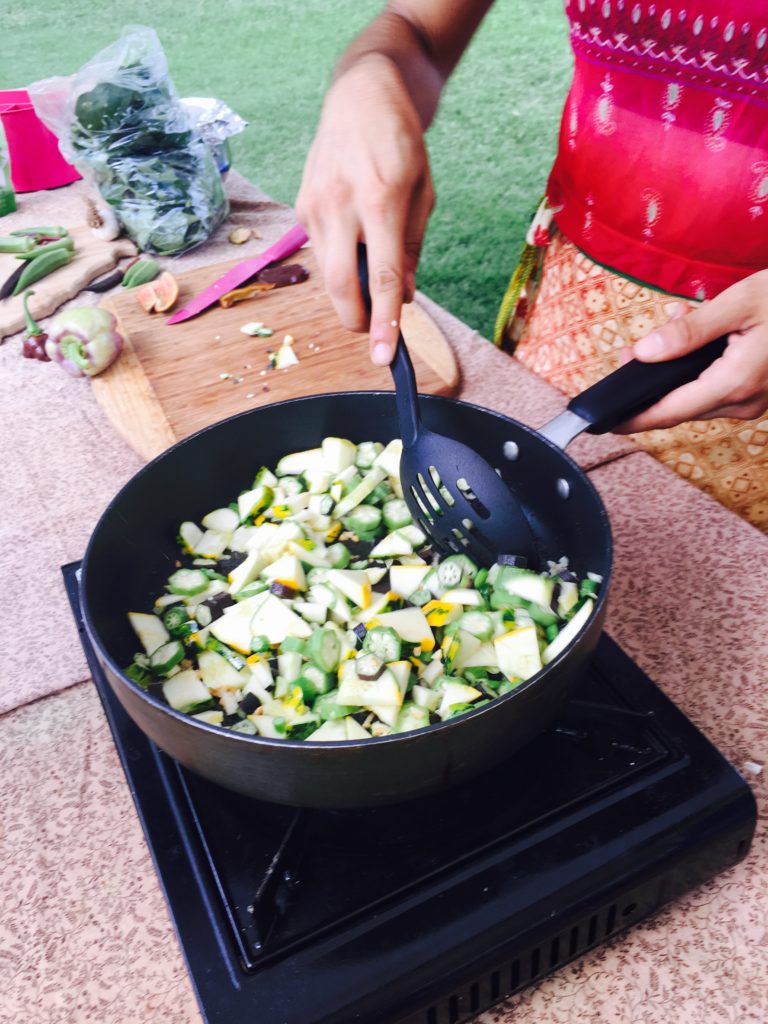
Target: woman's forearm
[(425, 41)]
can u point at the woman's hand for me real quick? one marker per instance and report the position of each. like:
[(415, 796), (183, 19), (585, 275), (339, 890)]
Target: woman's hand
[(736, 384), (367, 178)]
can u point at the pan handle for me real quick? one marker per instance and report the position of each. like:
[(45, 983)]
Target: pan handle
[(637, 386), (403, 374)]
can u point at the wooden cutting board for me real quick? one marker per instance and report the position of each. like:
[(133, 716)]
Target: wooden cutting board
[(172, 380)]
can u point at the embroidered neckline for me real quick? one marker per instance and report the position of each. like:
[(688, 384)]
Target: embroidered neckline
[(696, 43)]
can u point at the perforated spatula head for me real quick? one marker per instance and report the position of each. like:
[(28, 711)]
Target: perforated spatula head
[(455, 496)]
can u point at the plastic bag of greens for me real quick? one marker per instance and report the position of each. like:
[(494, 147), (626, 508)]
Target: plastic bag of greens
[(119, 120)]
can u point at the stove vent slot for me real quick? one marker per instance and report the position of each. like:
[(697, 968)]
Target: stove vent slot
[(536, 962)]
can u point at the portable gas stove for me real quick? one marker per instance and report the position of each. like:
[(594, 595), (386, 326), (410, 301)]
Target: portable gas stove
[(431, 911)]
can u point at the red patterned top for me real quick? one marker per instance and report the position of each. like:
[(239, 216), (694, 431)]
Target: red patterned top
[(662, 169)]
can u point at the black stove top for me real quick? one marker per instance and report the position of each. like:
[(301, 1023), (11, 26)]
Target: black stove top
[(429, 912)]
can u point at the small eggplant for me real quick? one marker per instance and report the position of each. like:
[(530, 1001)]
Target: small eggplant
[(103, 284)]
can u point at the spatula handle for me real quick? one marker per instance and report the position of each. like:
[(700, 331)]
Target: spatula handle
[(636, 386), (406, 392)]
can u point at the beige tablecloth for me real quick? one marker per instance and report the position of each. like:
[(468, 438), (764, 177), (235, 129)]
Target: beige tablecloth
[(84, 933)]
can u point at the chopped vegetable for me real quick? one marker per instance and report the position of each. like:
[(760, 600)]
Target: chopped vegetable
[(256, 329), (271, 625), (285, 355), (238, 236)]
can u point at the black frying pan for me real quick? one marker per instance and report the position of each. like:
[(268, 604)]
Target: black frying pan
[(133, 548)]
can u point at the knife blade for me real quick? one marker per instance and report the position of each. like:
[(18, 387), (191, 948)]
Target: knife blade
[(289, 243)]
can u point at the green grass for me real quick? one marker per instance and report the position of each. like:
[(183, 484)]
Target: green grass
[(491, 145)]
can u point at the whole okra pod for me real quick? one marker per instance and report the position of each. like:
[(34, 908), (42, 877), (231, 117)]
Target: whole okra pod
[(13, 244), (41, 266), (44, 231), (140, 272), (38, 250)]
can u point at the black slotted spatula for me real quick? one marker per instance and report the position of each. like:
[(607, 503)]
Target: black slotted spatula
[(455, 496)]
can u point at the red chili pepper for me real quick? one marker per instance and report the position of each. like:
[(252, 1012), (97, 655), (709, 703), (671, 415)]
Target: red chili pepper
[(33, 346)]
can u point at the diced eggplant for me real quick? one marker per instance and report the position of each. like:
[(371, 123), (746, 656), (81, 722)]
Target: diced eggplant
[(217, 606)]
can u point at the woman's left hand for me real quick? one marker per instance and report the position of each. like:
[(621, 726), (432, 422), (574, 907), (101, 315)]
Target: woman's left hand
[(736, 384)]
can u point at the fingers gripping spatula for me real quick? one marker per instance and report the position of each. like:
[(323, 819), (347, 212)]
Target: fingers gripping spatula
[(456, 497)]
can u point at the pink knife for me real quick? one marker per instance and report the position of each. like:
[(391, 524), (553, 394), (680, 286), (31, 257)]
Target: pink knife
[(289, 243)]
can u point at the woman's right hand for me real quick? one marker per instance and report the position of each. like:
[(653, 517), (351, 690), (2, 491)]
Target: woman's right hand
[(367, 178)]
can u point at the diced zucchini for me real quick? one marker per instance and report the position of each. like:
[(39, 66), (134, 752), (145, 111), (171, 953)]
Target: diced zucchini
[(276, 621), (401, 670), (149, 629), (406, 579), (265, 726), (453, 693), (479, 624), (466, 645), (221, 520), (288, 570), (484, 657), (289, 665), (265, 476), (210, 717), (411, 716), (367, 452), (330, 731), (300, 462), (568, 633), (311, 611), (518, 653), (371, 479), (185, 691), (216, 672), (441, 613), (254, 501), (384, 691), (567, 599), (190, 536), (355, 731), (389, 459), (338, 453), (352, 583), (410, 624), (394, 545), (246, 572), (527, 584), (426, 697), (466, 597), (213, 544)]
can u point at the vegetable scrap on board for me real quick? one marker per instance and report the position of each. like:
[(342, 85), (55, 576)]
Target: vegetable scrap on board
[(265, 281)]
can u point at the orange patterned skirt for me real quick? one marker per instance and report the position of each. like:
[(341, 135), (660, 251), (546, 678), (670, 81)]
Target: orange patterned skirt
[(575, 324)]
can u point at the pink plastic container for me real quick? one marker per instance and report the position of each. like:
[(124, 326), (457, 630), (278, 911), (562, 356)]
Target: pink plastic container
[(36, 162)]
